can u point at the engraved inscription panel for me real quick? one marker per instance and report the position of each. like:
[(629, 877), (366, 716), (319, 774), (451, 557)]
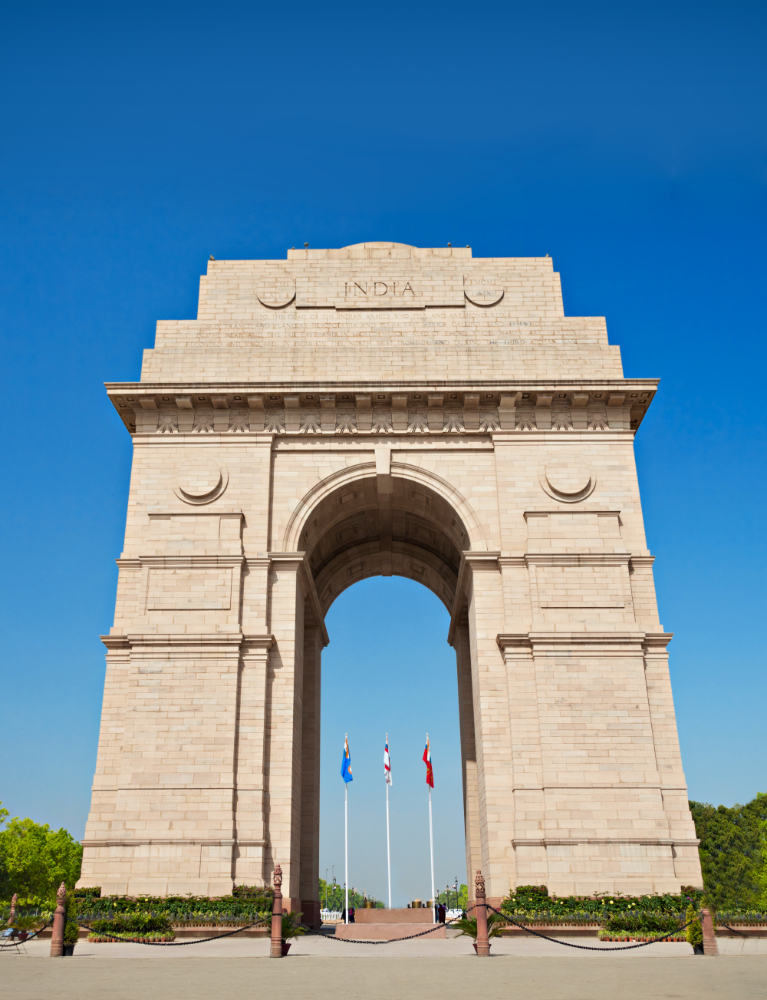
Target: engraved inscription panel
[(482, 290), (379, 290), (276, 292)]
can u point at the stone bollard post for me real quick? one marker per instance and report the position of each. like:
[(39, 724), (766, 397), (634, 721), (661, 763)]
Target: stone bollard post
[(483, 941), (59, 919), (710, 947), (14, 901), (276, 948)]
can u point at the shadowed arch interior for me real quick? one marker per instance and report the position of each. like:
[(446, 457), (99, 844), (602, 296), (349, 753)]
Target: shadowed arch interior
[(360, 530)]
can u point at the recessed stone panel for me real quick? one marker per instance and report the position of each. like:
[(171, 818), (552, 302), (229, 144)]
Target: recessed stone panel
[(189, 590)]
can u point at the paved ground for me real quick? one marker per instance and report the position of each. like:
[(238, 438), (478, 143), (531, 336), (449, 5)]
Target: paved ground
[(443, 970), (395, 978), (314, 947)]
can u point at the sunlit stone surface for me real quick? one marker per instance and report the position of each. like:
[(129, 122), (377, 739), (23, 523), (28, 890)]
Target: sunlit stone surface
[(385, 409)]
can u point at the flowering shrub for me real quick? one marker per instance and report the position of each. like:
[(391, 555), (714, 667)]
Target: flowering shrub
[(532, 904)]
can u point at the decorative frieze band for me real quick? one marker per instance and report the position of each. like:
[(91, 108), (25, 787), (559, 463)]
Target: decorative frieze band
[(383, 413)]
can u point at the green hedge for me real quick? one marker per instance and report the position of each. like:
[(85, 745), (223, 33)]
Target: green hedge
[(644, 922), (228, 910), (139, 923)]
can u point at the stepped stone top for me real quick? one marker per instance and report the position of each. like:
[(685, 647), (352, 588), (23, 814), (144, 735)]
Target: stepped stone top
[(381, 312)]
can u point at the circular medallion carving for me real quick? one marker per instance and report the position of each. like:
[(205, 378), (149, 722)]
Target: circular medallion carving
[(482, 291), (567, 481), (200, 482), (276, 292)]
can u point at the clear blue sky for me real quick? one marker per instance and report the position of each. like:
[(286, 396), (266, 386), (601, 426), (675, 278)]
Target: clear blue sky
[(625, 139)]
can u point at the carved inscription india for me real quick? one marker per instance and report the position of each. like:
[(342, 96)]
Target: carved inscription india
[(376, 289)]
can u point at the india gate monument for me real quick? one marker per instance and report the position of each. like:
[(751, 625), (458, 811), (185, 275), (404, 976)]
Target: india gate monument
[(384, 409)]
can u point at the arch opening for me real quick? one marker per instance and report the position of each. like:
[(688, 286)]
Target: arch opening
[(360, 530), (356, 525), (388, 670)]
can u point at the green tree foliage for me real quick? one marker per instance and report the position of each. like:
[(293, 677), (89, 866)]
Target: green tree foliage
[(733, 852), (335, 896), (35, 860), (761, 874), (453, 900)]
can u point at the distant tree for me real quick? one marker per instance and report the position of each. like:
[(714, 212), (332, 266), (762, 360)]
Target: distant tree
[(458, 901), (761, 872), (35, 860), (733, 852), (336, 896)]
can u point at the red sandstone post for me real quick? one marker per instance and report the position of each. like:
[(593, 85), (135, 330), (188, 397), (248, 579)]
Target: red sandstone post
[(59, 919), (483, 941), (276, 949), (710, 947)]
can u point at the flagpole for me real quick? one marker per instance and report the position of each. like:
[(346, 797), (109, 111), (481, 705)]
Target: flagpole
[(388, 843), (346, 847), (431, 845)]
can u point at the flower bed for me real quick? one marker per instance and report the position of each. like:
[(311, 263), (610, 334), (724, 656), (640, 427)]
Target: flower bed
[(742, 918), (138, 938), (637, 937), (532, 902), (621, 918), (136, 927)]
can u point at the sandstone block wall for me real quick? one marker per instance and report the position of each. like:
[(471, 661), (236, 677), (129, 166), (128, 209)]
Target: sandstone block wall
[(384, 409)]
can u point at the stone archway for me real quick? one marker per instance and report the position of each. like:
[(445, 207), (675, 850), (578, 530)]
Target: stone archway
[(378, 520), (385, 409)]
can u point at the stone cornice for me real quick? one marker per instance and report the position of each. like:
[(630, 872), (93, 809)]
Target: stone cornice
[(180, 640), (576, 558), (141, 842), (257, 642), (504, 408), (656, 642), (514, 641), (387, 385), (201, 561), (586, 643), (573, 841)]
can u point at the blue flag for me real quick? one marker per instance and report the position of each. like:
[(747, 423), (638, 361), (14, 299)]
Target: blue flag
[(346, 763)]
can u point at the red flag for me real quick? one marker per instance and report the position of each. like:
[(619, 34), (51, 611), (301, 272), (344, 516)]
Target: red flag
[(427, 762)]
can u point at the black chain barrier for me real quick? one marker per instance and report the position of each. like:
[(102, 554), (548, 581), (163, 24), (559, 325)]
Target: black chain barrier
[(176, 944), (19, 943), (332, 937), (740, 933), (589, 947)]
